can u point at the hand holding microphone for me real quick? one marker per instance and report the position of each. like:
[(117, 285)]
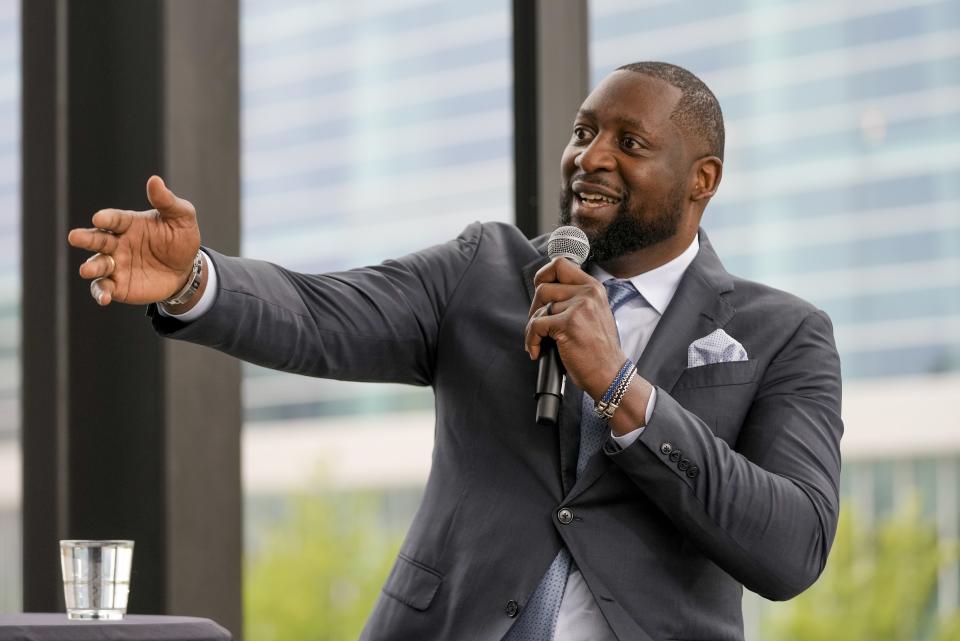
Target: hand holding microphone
[(572, 244), (570, 326)]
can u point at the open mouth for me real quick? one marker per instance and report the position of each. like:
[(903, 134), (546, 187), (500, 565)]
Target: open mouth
[(591, 200), (594, 199)]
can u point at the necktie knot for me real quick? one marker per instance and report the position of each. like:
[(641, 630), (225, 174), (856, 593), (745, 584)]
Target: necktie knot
[(619, 291)]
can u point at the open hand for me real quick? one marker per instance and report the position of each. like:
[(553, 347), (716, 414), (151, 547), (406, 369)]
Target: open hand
[(141, 256)]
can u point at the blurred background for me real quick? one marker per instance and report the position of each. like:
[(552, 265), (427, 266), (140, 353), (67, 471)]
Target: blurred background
[(393, 122)]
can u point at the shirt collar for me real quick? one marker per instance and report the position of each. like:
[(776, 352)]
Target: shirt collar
[(659, 284)]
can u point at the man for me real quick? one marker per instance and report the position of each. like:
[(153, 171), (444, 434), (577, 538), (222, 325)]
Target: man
[(714, 466)]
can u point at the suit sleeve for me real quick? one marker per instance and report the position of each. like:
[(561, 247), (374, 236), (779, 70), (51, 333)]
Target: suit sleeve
[(377, 323), (766, 512)]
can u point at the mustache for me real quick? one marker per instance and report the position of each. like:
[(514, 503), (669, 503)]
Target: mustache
[(596, 180), (566, 194)]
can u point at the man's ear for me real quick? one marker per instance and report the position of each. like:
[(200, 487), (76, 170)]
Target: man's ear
[(706, 173)]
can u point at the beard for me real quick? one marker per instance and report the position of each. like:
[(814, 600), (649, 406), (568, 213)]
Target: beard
[(629, 231)]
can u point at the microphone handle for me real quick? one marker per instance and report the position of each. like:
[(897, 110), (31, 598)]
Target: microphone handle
[(549, 384)]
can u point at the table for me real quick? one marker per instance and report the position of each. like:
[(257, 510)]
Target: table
[(133, 627)]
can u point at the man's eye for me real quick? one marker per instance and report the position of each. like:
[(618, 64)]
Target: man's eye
[(580, 133), (631, 143)]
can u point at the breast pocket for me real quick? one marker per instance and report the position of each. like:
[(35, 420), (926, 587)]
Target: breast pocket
[(716, 374), (719, 394)]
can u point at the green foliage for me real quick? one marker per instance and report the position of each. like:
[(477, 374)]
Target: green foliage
[(318, 573), (879, 585)]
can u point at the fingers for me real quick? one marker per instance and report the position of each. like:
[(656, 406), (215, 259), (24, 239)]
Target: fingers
[(98, 266), (165, 201), (102, 290), (552, 293), (560, 286), (532, 338), (95, 240), (114, 220), (541, 325), (562, 270)]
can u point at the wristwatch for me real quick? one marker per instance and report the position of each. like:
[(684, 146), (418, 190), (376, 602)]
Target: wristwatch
[(192, 285)]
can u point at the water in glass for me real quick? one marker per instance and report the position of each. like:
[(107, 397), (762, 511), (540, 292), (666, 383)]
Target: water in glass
[(96, 578)]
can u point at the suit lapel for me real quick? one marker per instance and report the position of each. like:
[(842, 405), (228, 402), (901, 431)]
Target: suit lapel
[(697, 308)]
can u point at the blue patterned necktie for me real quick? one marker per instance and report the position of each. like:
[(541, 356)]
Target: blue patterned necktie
[(539, 617)]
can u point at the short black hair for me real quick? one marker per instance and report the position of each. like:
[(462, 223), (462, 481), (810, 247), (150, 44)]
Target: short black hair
[(697, 112)]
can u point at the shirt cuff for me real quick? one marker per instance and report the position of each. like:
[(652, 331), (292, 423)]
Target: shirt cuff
[(207, 298), (628, 439)]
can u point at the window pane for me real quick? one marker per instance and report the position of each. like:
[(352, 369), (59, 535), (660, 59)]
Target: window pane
[(370, 129), (10, 550)]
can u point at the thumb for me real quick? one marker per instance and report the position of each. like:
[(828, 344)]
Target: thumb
[(164, 200)]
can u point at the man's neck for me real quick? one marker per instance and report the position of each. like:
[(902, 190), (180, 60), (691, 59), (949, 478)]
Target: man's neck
[(647, 258)]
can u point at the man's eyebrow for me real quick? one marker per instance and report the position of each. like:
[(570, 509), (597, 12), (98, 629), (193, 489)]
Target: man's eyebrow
[(623, 121)]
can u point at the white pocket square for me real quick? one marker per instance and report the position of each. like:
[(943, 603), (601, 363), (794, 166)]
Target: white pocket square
[(716, 347)]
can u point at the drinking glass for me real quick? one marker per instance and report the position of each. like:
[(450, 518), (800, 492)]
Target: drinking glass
[(96, 578)]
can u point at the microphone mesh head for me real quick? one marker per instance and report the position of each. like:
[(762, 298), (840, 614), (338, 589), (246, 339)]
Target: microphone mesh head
[(569, 242)]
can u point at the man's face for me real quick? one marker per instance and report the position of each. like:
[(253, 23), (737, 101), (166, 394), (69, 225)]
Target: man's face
[(625, 168)]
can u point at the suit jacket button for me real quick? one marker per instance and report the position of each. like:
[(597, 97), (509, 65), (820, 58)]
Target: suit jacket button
[(666, 448), (692, 471), (683, 464), (676, 455), (565, 515), (512, 608)]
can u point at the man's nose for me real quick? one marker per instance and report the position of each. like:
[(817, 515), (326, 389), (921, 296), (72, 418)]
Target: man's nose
[(597, 156)]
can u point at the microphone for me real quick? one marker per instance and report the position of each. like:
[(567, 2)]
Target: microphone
[(572, 244)]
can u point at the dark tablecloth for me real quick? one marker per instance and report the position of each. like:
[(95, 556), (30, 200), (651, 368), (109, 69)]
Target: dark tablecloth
[(133, 627)]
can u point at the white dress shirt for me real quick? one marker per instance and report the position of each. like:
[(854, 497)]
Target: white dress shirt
[(580, 618)]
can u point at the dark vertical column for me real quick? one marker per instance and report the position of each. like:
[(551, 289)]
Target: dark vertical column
[(551, 74), (115, 367), (525, 139), (115, 444), (43, 360), (562, 84)]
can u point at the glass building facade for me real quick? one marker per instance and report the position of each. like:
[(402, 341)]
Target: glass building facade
[(370, 130)]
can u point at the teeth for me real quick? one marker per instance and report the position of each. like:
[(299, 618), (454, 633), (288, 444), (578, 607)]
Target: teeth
[(592, 197)]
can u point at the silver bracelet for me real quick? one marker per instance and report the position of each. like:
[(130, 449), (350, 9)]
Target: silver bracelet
[(193, 284)]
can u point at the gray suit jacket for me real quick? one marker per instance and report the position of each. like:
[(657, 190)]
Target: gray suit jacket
[(665, 552)]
